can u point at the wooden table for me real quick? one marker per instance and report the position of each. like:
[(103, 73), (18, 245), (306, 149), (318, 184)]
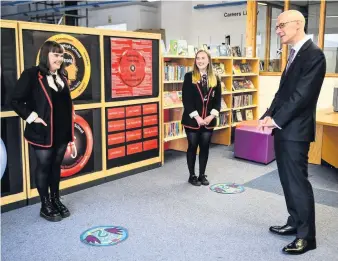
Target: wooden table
[(326, 145)]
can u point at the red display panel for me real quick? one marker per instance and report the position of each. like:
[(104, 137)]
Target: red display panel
[(133, 111), (133, 123), (116, 138), (149, 109), (134, 135), (131, 67), (134, 148), (116, 125), (116, 152), (150, 132), (116, 113), (149, 120), (150, 145)]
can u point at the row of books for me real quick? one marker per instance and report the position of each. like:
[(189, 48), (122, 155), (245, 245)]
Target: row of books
[(242, 100), (242, 84), (175, 72), (241, 68), (173, 129), (242, 115), (223, 119), (173, 87)]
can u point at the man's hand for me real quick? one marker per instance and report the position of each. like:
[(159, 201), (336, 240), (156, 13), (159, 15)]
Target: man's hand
[(200, 121), (208, 119), (266, 123)]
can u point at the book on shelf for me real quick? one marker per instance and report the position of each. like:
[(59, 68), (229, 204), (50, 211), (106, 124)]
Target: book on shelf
[(242, 100), (223, 119), (243, 84), (182, 47), (223, 105), (173, 47), (245, 68), (174, 71), (236, 69), (240, 115), (248, 115), (218, 68), (173, 129), (236, 51), (225, 50), (172, 98)]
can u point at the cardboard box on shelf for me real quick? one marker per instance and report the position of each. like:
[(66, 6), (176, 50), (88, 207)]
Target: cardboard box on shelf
[(154, 31)]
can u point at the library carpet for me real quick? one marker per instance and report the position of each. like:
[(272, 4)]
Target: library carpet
[(168, 219)]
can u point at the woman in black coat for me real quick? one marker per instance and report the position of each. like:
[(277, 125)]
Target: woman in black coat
[(201, 95), (42, 98)]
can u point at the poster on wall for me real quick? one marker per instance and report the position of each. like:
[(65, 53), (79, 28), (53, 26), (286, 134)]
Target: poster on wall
[(87, 157), (131, 68), (132, 134), (8, 66), (81, 58), (131, 73)]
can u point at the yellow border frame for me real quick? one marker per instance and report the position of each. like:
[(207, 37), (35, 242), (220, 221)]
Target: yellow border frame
[(19, 26), (321, 35), (6, 114)]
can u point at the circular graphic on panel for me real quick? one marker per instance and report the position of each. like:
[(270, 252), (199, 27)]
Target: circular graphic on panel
[(3, 157), (104, 236), (77, 63), (73, 162), (132, 68), (227, 188)]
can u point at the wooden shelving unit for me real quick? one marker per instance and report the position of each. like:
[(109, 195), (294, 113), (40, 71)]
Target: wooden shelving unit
[(173, 81)]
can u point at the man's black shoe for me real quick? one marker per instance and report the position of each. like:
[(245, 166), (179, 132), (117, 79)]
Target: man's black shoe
[(299, 246), (283, 230)]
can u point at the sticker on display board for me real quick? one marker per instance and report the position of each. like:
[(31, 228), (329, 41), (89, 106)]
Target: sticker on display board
[(3, 158), (77, 63), (74, 161), (227, 188), (132, 68), (104, 235)]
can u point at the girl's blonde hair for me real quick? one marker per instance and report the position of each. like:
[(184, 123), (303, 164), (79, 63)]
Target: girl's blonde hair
[(196, 76)]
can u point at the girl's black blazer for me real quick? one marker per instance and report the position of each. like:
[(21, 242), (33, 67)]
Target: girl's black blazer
[(193, 100), (32, 93)]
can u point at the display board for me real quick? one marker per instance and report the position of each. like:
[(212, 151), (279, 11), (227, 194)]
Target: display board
[(131, 68), (82, 60), (132, 133), (96, 90)]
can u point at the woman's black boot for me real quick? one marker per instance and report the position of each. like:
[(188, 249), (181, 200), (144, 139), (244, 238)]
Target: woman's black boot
[(48, 211), (55, 199)]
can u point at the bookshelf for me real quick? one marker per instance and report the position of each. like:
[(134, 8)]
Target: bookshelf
[(240, 86)]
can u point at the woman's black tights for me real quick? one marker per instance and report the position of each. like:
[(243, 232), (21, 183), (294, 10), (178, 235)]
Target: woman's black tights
[(195, 139), (48, 169)]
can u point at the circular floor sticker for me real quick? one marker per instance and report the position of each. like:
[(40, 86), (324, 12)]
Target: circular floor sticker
[(227, 188), (104, 236)]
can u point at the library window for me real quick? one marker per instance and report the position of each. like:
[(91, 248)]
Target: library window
[(268, 43), (331, 37), (311, 12)]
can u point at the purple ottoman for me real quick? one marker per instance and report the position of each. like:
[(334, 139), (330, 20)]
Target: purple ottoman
[(254, 145)]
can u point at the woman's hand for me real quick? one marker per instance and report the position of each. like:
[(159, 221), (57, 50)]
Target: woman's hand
[(208, 119), (200, 121), (39, 120)]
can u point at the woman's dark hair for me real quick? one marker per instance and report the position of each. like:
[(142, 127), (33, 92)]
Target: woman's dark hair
[(46, 48)]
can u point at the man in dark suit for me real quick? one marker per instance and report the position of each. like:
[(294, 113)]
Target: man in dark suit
[(292, 116)]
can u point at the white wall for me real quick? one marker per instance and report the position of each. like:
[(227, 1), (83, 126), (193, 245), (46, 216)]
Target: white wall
[(268, 86), (202, 26), (135, 16)]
